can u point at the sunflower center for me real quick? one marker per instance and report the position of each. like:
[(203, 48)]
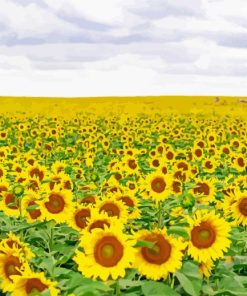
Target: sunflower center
[(11, 201), (81, 218), (110, 209), (108, 251), (243, 206), (127, 201), (132, 164), (203, 236), (35, 213), (159, 253), (89, 199), (11, 266), (158, 185), (98, 224), (208, 164), (55, 204), (34, 286), (202, 188), (241, 162)]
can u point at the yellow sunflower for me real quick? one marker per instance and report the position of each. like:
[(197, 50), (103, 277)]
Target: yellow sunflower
[(13, 241), (79, 217), (30, 283), (113, 208), (158, 185), (30, 206), (12, 262), (10, 204), (56, 205), (107, 253), (238, 207), (102, 220), (209, 236), (165, 256), (205, 268)]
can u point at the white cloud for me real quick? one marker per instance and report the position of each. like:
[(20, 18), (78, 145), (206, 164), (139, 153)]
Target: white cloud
[(117, 47)]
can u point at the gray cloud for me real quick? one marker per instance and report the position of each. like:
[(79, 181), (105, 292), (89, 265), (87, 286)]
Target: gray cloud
[(165, 37), (158, 9)]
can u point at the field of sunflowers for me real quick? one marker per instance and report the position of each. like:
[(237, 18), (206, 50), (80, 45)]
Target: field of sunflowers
[(144, 196)]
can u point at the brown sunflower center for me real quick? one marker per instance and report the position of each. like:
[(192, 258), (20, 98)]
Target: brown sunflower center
[(208, 164), (203, 236), (35, 213), (108, 251), (111, 209), (159, 253), (243, 206), (127, 201), (241, 161), (81, 218), (98, 224), (37, 173), (158, 184), (55, 204), (132, 164), (35, 285), (202, 188), (89, 199), (11, 266), (11, 201), (156, 163)]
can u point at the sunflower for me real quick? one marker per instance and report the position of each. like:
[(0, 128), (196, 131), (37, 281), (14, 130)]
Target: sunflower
[(30, 283), (129, 199), (163, 257), (2, 173), (239, 162), (12, 262), (4, 186), (30, 206), (102, 220), (209, 165), (158, 185), (130, 164), (79, 218), (56, 205), (238, 207), (113, 208), (10, 204), (13, 241), (205, 268), (107, 253), (204, 190), (208, 236)]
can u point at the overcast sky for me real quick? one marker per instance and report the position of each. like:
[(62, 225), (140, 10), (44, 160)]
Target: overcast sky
[(123, 47)]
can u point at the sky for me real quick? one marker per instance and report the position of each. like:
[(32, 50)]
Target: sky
[(80, 48)]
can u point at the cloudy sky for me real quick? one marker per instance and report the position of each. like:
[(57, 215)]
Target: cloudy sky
[(123, 47)]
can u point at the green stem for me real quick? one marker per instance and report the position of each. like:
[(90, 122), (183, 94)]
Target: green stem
[(160, 216), (51, 239), (118, 290), (172, 281)]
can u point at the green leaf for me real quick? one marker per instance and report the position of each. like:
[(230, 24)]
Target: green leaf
[(147, 244), (32, 207), (191, 270), (178, 230), (152, 288), (190, 286)]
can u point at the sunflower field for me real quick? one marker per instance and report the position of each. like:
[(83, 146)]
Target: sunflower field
[(114, 197)]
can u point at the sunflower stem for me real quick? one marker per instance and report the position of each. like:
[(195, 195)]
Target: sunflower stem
[(118, 290), (160, 216), (51, 239), (172, 281)]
